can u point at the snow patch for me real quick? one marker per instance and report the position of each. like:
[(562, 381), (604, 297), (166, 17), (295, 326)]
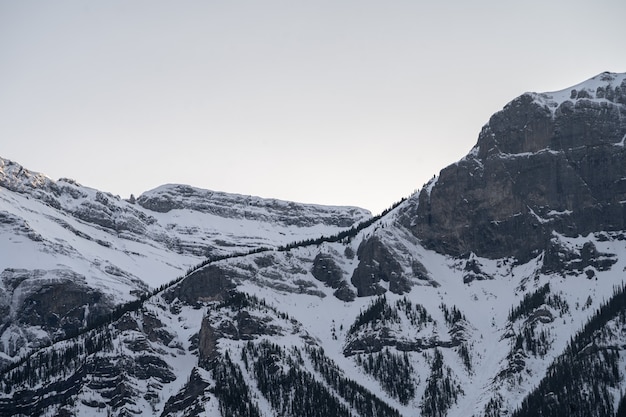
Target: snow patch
[(552, 100)]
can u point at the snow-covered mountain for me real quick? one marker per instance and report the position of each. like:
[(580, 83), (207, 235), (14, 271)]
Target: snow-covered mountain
[(69, 252), (497, 289)]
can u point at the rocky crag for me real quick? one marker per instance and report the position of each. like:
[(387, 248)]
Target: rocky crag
[(546, 163)]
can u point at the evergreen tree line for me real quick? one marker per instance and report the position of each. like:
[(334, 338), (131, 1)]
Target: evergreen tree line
[(529, 303), (344, 235), (530, 340), (451, 316), (393, 371), (581, 380), (464, 354), (379, 312), (360, 399), (60, 359), (441, 390), (415, 313), (231, 390), (454, 320), (494, 407), (538, 344), (532, 301), (237, 301), (100, 321), (289, 388)]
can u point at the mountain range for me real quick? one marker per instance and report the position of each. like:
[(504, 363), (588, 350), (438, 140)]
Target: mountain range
[(496, 289)]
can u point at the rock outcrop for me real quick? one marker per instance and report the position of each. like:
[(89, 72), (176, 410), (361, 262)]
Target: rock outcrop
[(545, 163), (378, 264), (234, 206)]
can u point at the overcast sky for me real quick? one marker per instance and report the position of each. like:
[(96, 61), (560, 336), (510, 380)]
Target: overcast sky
[(351, 102)]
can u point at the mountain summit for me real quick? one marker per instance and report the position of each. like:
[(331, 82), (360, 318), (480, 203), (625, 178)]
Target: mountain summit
[(547, 163), (497, 289)]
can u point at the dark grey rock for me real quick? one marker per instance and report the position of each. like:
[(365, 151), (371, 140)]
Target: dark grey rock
[(558, 259), (376, 263), (376, 342), (56, 301), (190, 398), (205, 284), (531, 174), (473, 271), (264, 261), (344, 292), (152, 366), (246, 326), (326, 270)]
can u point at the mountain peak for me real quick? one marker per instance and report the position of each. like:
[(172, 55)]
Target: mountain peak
[(607, 87), (587, 114), (15, 177), (542, 153)]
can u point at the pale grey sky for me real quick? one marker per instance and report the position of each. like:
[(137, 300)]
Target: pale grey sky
[(352, 102)]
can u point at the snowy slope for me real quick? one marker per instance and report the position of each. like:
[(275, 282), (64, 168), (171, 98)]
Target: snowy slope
[(600, 89), (384, 321), (61, 234), (297, 318)]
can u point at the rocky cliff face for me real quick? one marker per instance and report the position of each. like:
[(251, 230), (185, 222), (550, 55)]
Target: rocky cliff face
[(232, 206), (546, 163)]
